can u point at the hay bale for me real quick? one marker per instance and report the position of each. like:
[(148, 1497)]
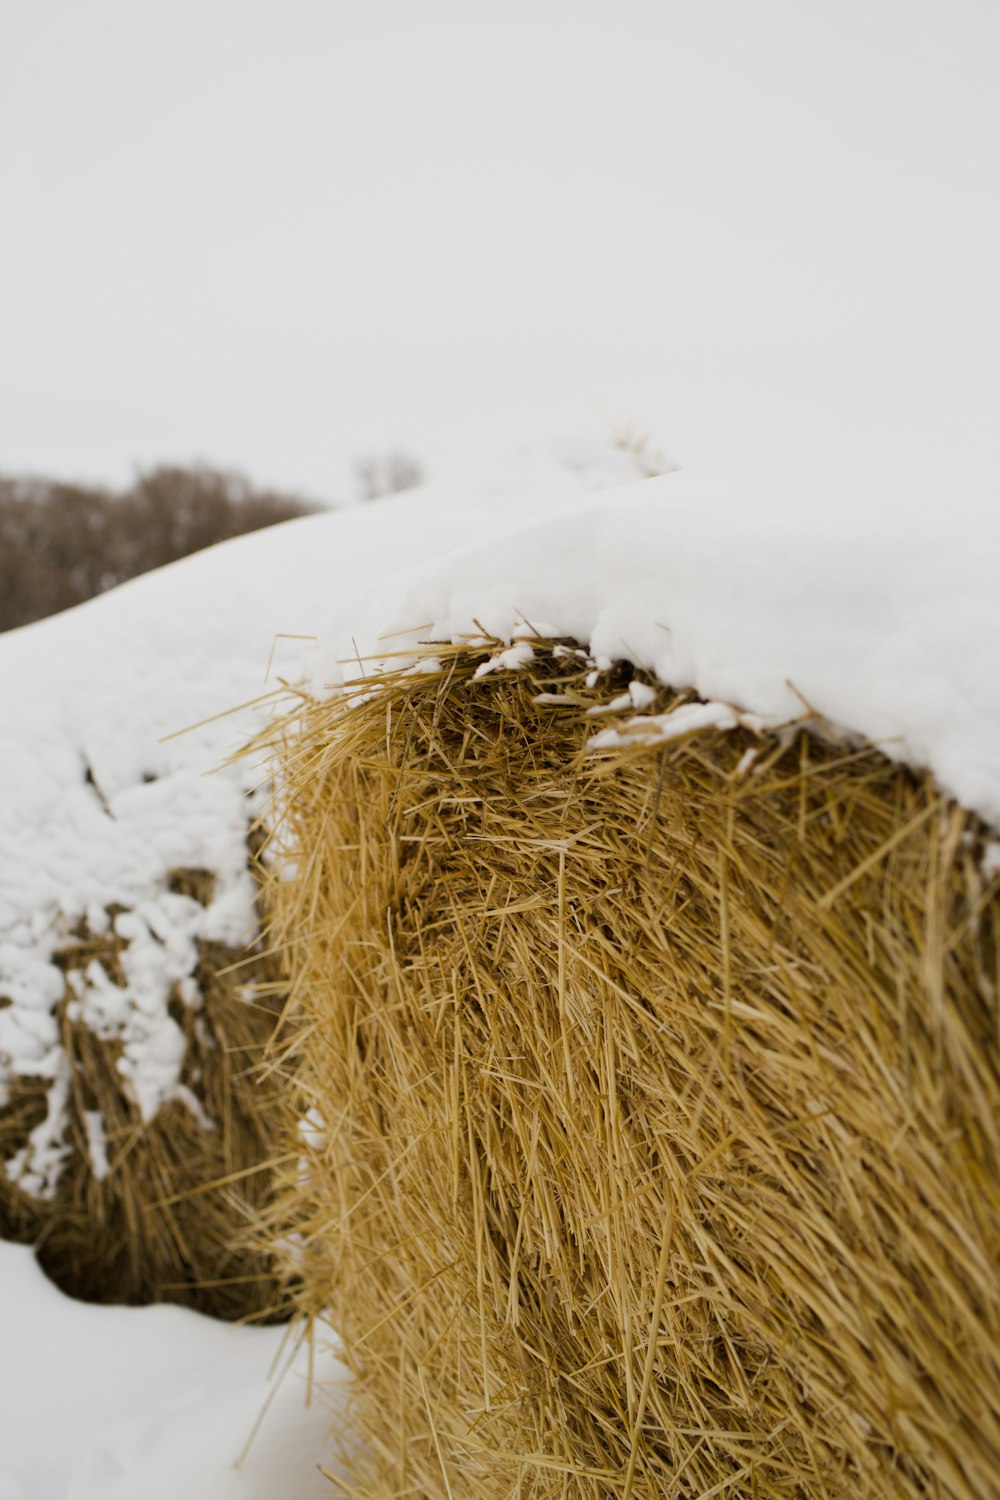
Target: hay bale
[(152, 1210), (660, 1097)]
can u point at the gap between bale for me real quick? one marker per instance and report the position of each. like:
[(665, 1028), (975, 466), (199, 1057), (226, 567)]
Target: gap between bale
[(654, 1097)]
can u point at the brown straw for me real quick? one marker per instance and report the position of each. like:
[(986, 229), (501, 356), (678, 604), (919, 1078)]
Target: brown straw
[(660, 1098)]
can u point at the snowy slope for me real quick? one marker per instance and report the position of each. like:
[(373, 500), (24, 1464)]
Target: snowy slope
[(861, 582)]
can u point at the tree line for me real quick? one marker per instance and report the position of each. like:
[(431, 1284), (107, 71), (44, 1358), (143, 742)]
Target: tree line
[(63, 543)]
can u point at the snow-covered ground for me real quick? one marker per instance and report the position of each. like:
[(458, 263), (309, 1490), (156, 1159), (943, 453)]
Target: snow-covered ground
[(153, 1403)]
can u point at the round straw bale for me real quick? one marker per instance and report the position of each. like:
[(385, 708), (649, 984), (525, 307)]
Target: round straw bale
[(660, 1095), (161, 1209)]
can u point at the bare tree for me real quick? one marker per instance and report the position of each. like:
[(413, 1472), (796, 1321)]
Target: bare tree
[(63, 543), (387, 474)]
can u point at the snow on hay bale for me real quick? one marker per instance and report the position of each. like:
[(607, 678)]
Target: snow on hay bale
[(128, 1201), (650, 1052), (661, 1091)]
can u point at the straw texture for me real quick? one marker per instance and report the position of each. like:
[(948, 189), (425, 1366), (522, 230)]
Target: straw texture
[(654, 1093)]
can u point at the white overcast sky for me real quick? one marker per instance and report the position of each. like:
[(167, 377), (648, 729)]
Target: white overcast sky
[(276, 234)]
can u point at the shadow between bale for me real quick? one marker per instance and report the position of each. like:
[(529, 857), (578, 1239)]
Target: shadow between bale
[(654, 1096)]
